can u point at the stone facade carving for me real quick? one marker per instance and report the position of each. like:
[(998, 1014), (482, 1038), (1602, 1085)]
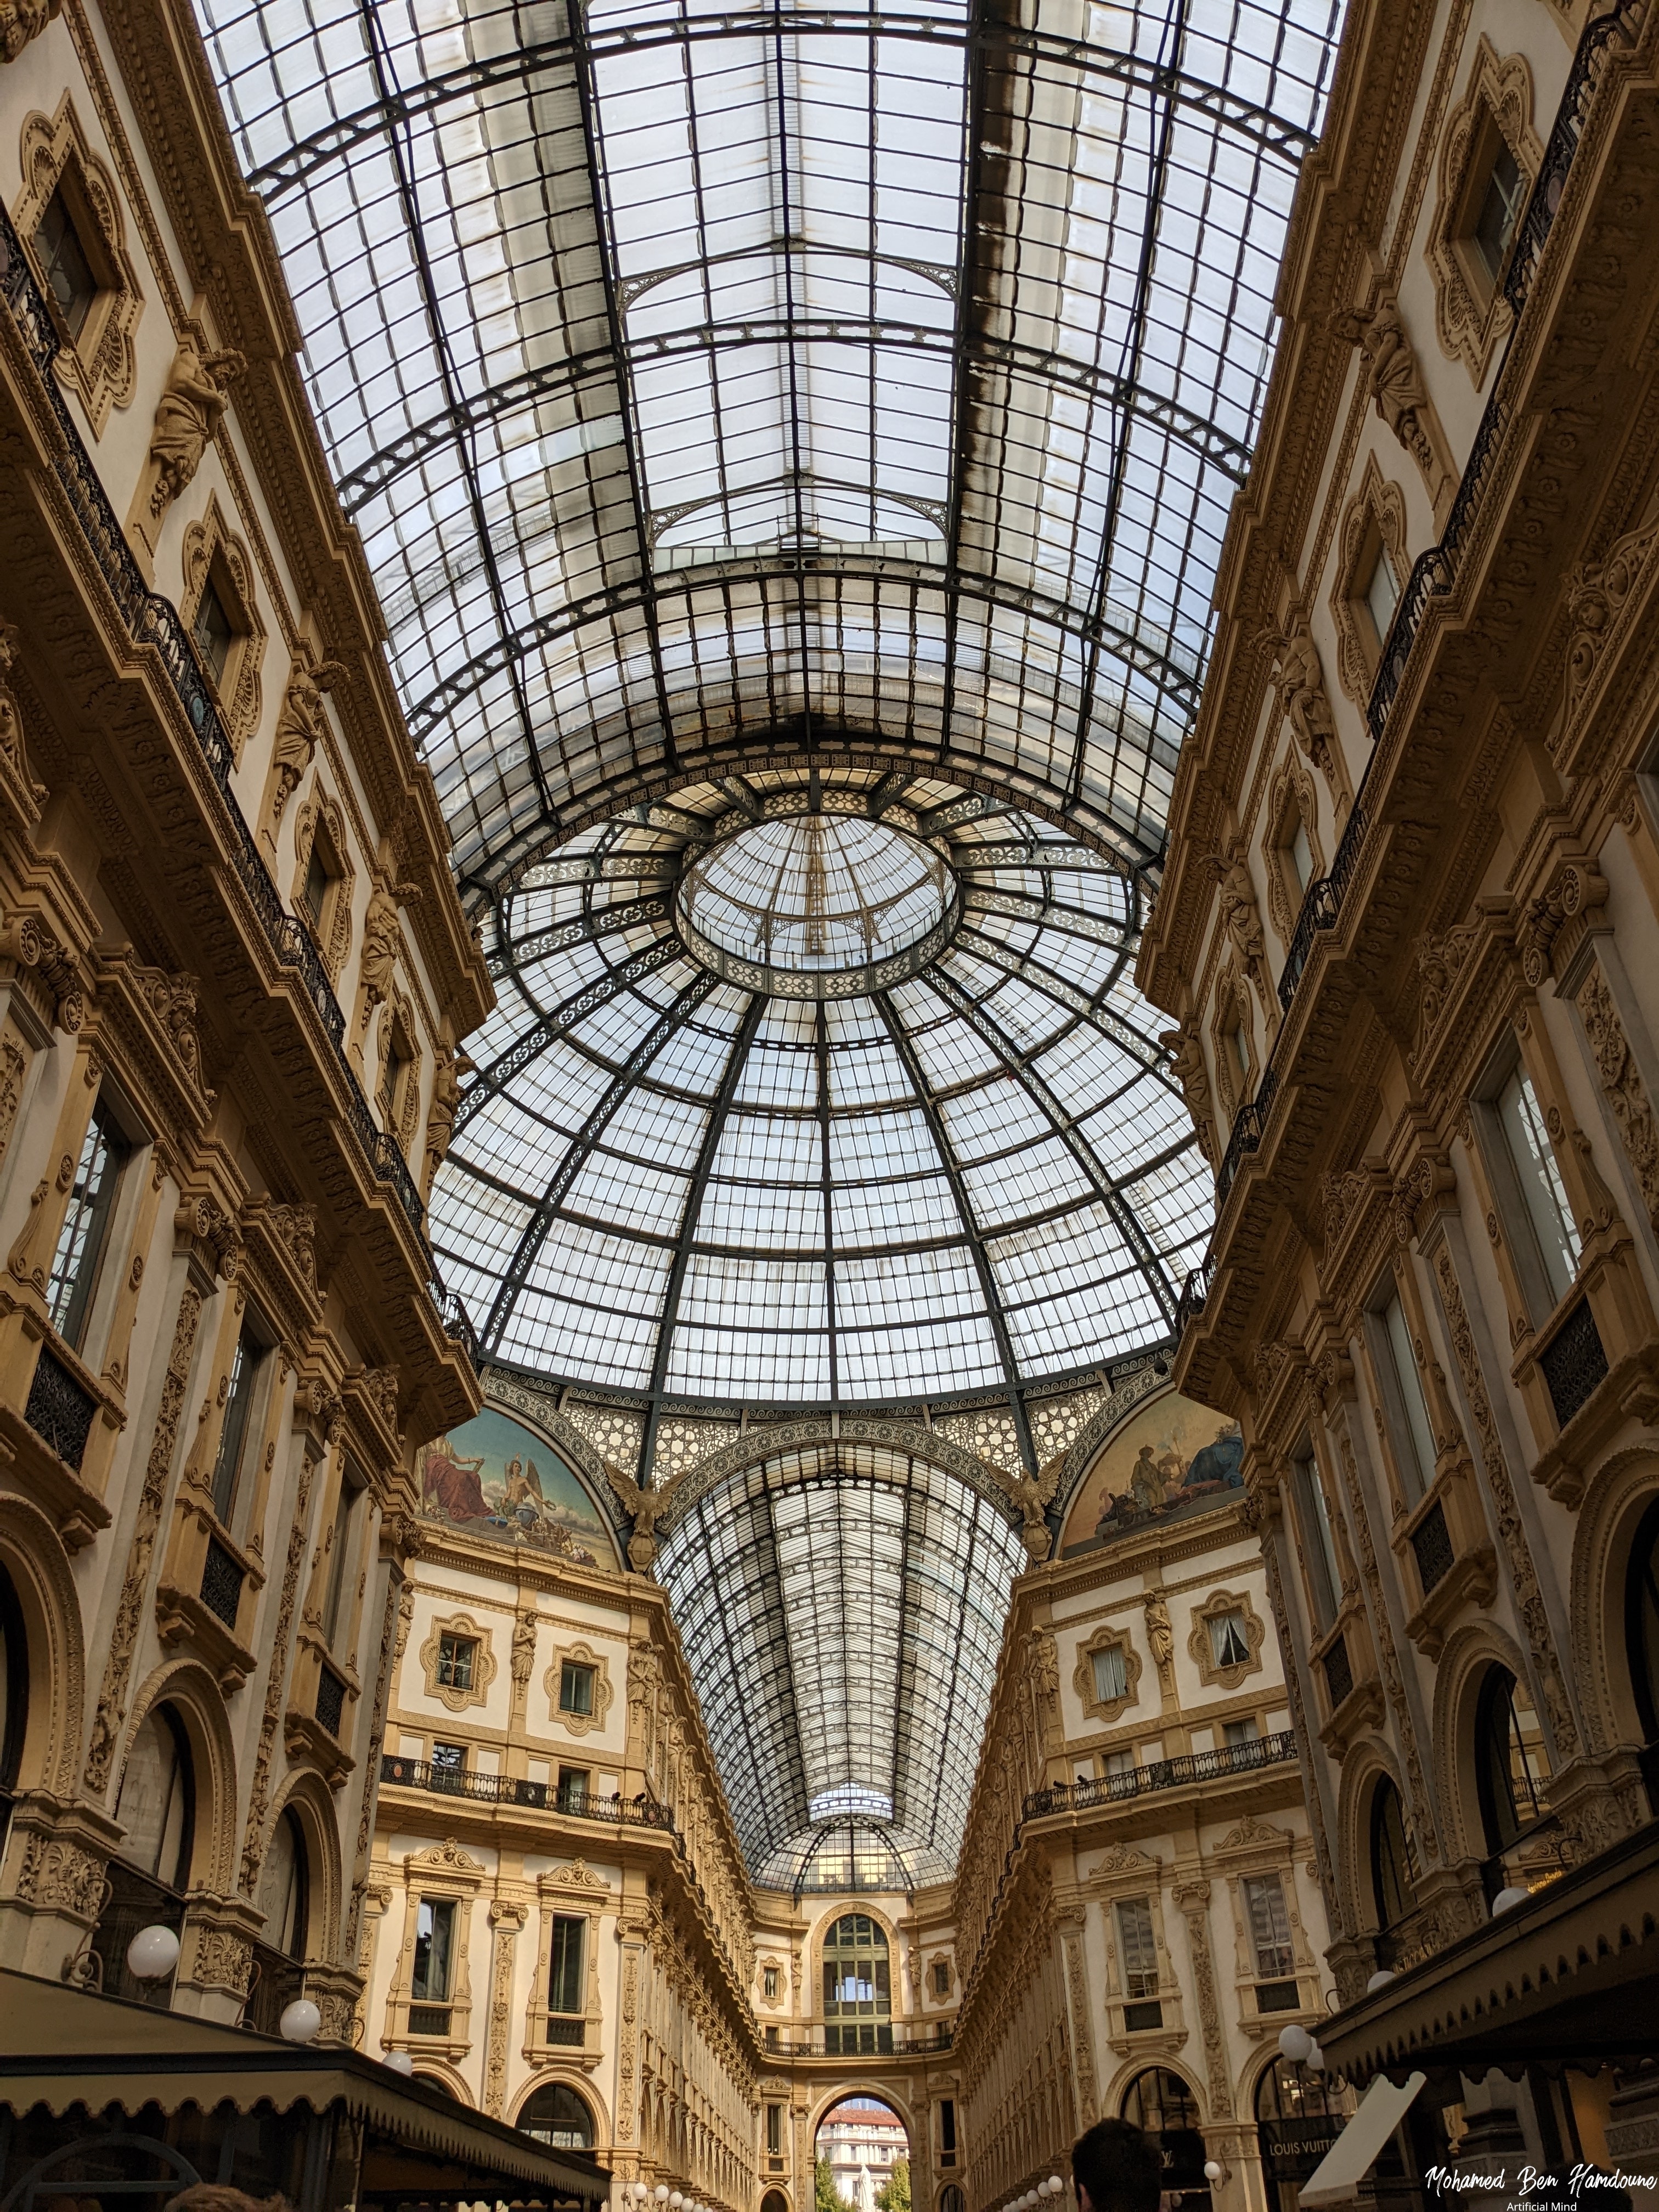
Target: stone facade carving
[(1622, 1086), (1470, 311), (117, 1664), (301, 727), (1194, 1899), (1398, 392), (187, 419), (1187, 1060)]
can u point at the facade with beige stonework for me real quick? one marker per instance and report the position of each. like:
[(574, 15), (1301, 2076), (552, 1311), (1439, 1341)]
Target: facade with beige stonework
[(234, 973), (1407, 932)]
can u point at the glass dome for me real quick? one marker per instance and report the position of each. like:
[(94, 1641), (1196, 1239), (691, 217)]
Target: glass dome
[(818, 1088)]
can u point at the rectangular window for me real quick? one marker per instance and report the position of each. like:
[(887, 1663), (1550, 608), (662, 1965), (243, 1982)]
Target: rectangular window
[(1382, 594), (245, 1367), (1136, 1944), (319, 877), (341, 1545), (1229, 1646), (1270, 1926), (1543, 1194), (1119, 1762), (434, 1944), (1111, 1677), (564, 1979), (1234, 1732), (775, 2132), (448, 1765), (770, 1982), (771, 2038), (1499, 213), (64, 263), (456, 1655), (1301, 855), (1415, 1449), (573, 1782), (81, 1240), (941, 1978), (575, 1688), (1318, 1545), (212, 633), (947, 2131)]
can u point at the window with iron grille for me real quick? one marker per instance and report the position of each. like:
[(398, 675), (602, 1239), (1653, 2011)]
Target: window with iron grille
[(448, 1765), (1339, 1673), (1270, 1926), (331, 1701), (221, 1583), (574, 1782), (1431, 1545)]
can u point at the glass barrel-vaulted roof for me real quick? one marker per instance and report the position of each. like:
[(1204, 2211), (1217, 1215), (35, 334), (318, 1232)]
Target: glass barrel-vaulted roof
[(704, 378), (841, 1608), (905, 1130)]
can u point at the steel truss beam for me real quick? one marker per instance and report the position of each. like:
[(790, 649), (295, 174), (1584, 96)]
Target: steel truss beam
[(719, 1113), (1122, 1034), (515, 63), (562, 1019), (970, 1226), (1100, 928), (581, 1146), (591, 928), (1123, 1215)]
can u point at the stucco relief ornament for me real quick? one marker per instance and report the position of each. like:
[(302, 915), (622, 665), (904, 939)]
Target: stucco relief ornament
[(187, 417), (22, 21), (1186, 1061), (1396, 381), (1305, 703), (13, 754), (1239, 917), (1034, 1530), (446, 1076), (382, 941), (523, 1649), (299, 728), (1159, 1634)]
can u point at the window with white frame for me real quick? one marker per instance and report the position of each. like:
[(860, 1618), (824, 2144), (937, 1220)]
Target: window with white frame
[(1543, 1196), (1110, 1674), (1409, 1427), (1270, 1926), (1318, 1544)]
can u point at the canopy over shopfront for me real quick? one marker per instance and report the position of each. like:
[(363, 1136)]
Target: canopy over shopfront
[(101, 2096)]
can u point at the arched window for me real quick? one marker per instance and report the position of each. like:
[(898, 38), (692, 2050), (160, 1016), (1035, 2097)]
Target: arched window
[(949, 2198), (1394, 1862), (555, 2114), (774, 2201), (14, 1696), (285, 1887), (858, 2012), (1642, 1640), (157, 1805), (1509, 1769), (1298, 2119)]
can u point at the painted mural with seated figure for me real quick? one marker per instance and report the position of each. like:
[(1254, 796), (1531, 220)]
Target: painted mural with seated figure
[(1169, 1458), (496, 1479)]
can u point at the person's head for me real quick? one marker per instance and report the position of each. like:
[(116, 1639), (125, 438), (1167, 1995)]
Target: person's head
[(1116, 2167)]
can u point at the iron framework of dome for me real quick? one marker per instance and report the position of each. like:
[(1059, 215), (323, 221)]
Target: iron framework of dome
[(819, 1089)]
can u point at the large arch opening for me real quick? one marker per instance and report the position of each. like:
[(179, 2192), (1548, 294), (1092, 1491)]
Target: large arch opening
[(862, 2155), (1166, 2105)]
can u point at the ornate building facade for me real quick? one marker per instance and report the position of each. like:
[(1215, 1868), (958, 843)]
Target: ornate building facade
[(234, 972), (1406, 935)]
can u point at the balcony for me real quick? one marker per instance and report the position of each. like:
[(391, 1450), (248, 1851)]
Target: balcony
[(1161, 1774), (513, 1790), (865, 2039)]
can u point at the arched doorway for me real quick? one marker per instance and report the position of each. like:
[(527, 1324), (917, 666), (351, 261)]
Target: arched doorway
[(151, 1870), (1511, 1773), (1642, 1641), (861, 2157), (14, 1698), (857, 1987), (558, 2115), (1394, 1868), (1296, 2121), (1164, 2105)]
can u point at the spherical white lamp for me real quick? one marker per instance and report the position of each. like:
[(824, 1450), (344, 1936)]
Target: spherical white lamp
[(1294, 2044), (397, 2062), (1056, 2186), (1314, 2061), (1507, 1899), (1212, 2169), (674, 2200), (152, 1955), (642, 2191), (1380, 1980), (660, 2192), (301, 2022)]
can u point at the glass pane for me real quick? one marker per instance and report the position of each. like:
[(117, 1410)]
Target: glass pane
[(80, 1240), (1542, 1191), (435, 1929), (1383, 592), (1270, 1926), (1416, 1449)]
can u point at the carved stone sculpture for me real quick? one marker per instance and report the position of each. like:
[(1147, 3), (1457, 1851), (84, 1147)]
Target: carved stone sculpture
[(13, 754), (445, 1100), (187, 419), (300, 729), (1397, 387), (1186, 1059), (1305, 704), (22, 21)]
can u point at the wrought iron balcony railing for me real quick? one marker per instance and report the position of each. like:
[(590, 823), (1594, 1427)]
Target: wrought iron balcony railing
[(438, 1781), (1163, 1774), (152, 620)]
